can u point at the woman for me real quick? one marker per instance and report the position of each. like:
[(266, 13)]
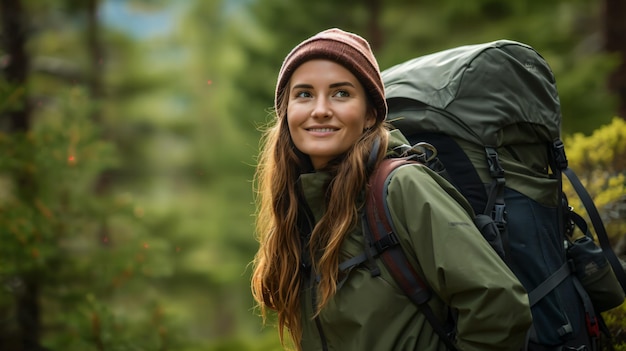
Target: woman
[(311, 178)]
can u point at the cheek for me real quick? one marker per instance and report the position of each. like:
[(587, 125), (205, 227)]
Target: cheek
[(292, 129), (290, 123), (292, 117)]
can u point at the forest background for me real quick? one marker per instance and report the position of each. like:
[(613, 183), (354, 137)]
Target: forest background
[(128, 136)]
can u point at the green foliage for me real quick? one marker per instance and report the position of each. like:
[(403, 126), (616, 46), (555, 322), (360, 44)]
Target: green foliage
[(137, 225), (59, 162), (616, 322), (54, 234), (600, 162), (581, 83)]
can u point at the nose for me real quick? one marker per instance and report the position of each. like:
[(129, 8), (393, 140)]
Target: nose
[(322, 108)]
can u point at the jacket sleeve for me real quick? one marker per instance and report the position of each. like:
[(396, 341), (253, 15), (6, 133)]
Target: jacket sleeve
[(435, 223)]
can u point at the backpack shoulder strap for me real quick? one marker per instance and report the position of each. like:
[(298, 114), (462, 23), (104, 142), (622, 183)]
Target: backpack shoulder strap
[(379, 227)]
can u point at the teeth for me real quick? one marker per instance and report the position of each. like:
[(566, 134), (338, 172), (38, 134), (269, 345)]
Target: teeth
[(321, 130)]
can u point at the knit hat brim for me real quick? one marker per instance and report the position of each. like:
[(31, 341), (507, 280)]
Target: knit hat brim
[(347, 49)]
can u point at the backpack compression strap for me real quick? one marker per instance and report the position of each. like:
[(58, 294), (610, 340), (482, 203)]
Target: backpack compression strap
[(382, 235), (495, 201)]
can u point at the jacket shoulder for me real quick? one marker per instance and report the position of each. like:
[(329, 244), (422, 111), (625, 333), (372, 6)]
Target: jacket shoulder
[(418, 181)]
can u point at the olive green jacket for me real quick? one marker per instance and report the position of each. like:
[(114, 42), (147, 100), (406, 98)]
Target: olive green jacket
[(371, 312)]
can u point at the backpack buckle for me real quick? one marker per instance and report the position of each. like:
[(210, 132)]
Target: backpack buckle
[(559, 154), (499, 216), (495, 169), (386, 242)]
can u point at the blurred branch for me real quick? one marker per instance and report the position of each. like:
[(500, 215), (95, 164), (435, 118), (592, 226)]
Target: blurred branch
[(53, 66), (58, 68)]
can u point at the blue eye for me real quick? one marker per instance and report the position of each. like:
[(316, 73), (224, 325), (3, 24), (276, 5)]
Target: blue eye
[(342, 93), (303, 94)]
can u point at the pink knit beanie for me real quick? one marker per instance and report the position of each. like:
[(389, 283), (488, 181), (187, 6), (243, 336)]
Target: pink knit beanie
[(345, 48)]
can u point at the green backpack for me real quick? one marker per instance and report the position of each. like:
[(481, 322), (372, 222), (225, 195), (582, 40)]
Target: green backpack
[(492, 113)]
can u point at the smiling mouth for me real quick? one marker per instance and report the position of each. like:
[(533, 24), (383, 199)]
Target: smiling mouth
[(321, 130)]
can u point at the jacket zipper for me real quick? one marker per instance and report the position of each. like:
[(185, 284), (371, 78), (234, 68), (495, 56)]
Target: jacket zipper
[(318, 323), (312, 278)]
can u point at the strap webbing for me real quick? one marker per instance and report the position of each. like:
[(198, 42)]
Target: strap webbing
[(598, 226), (380, 227), (496, 207), (549, 284)]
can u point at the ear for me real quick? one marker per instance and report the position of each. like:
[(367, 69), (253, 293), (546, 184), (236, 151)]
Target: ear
[(370, 118)]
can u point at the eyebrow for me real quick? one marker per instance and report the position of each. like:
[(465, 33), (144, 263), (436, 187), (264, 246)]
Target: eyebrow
[(334, 85), (340, 84)]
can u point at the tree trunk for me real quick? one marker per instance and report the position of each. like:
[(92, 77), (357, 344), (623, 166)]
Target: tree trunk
[(374, 32), (615, 42), (102, 183), (29, 314), (95, 54), (16, 118), (17, 113)]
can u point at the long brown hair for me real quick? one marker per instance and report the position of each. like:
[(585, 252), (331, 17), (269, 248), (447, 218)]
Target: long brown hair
[(276, 280)]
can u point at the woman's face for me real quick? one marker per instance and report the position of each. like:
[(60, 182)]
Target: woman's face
[(327, 110)]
